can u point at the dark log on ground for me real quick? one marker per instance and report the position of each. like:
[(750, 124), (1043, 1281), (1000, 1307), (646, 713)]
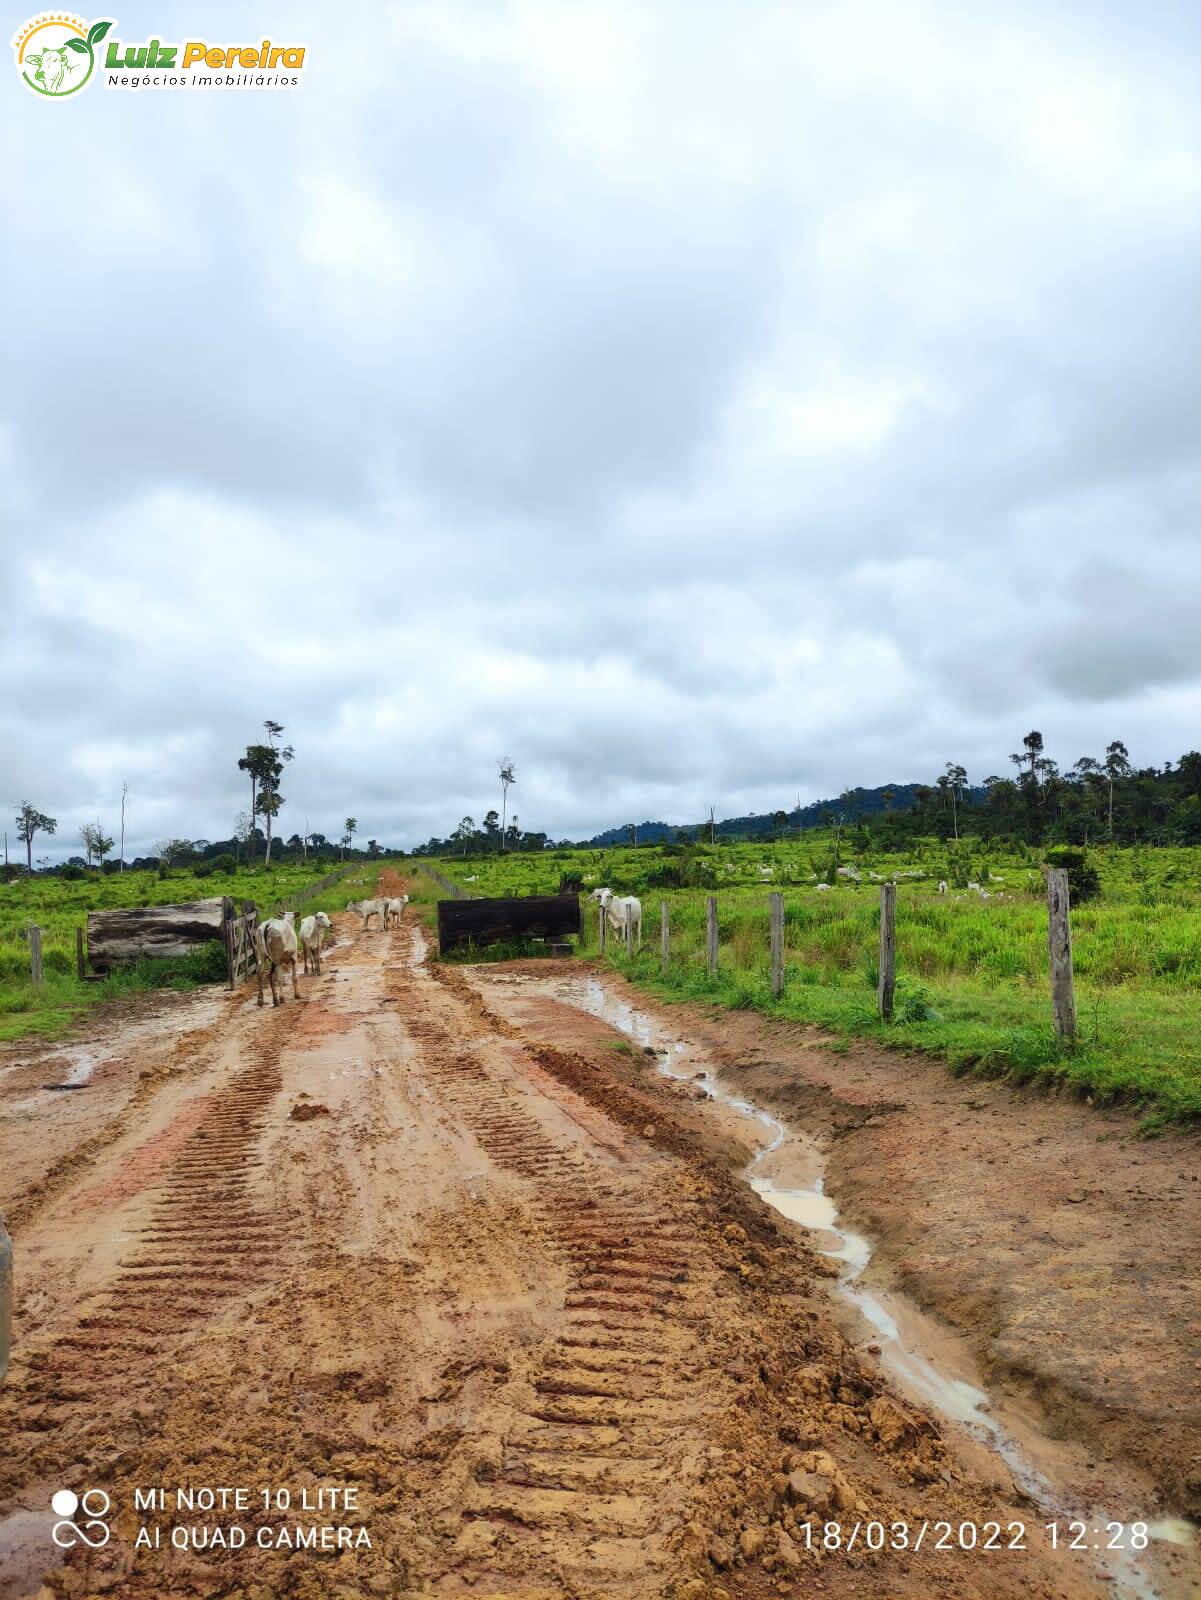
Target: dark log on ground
[(535, 916), (118, 937)]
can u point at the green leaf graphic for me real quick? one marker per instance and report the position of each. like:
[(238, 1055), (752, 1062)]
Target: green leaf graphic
[(97, 31), (77, 44)]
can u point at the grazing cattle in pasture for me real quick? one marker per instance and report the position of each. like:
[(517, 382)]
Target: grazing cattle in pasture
[(393, 908), (312, 936), (942, 886), (823, 888), (368, 909), (275, 947), (622, 910)]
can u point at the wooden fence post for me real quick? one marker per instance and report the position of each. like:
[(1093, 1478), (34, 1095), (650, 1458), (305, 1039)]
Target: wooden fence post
[(664, 936), (35, 954), (887, 987), (81, 965), (711, 933), (776, 904), (1059, 948), (227, 931)]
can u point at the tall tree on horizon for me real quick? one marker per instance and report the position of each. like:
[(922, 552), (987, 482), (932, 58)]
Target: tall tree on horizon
[(956, 779), (505, 767), (1032, 752), (265, 764), (30, 822)]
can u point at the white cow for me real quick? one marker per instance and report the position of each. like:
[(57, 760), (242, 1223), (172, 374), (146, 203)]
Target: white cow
[(312, 937), (393, 908), (823, 888), (942, 886), (625, 916), (275, 947), (622, 910), (368, 909)]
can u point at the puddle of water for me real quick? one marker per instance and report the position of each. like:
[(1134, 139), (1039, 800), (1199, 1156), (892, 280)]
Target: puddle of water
[(79, 1074), (891, 1319), (26, 1551)]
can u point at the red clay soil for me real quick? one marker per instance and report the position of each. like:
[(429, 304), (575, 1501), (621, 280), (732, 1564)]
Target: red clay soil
[(387, 1245)]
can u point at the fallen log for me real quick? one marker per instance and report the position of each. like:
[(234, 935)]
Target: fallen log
[(116, 938)]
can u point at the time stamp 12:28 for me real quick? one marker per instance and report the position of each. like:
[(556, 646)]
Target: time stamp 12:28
[(985, 1536)]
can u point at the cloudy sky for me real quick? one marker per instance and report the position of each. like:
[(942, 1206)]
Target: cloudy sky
[(699, 403)]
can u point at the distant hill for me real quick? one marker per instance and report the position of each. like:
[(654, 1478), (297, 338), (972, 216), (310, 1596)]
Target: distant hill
[(856, 803)]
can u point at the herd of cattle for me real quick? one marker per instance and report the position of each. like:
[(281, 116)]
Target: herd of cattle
[(278, 941)]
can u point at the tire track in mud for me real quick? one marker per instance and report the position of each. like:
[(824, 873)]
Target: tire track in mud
[(592, 1458), (209, 1240)]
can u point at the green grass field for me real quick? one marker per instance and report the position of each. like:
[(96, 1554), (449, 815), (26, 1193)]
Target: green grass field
[(973, 984), (60, 906)]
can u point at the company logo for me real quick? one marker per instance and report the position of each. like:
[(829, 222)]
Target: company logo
[(95, 1505), (56, 53)]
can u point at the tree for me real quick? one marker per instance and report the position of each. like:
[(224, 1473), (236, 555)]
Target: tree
[(95, 842), (252, 763), (1117, 765), (173, 852), (491, 826), (1031, 751), (464, 831), (956, 780), (780, 819), (265, 764), (31, 822), (349, 828), (270, 799), (124, 793), (373, 847), (243, 832), (505, 768)]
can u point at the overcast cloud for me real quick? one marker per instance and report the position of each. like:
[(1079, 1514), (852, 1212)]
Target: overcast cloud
[(698, 403)]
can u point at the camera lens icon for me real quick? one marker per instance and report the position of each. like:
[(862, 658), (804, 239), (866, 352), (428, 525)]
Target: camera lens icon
[(95, 1505)]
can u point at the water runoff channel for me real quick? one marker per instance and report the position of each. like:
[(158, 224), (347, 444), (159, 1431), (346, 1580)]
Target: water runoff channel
[(897, 1327)]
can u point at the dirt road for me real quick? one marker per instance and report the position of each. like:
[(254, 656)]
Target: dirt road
[(493, 1313)]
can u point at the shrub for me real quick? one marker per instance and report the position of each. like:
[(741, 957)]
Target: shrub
[(1084, 881)]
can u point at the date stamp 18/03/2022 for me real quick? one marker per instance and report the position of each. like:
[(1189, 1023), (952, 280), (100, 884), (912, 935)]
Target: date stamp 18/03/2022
[(937, 1535)]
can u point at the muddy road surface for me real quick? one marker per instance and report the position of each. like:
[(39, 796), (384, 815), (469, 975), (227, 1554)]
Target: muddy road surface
[(398, 1291)]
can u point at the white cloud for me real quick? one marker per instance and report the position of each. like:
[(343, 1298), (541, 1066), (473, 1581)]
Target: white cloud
[(698, 404)]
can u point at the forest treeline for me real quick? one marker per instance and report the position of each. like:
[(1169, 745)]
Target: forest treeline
[(1097, 800)]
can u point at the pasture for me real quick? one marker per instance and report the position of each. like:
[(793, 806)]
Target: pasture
[(59, 906), (973, 985)]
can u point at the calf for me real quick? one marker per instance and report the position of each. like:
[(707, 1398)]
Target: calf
[(312, 937), (275, 947)]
